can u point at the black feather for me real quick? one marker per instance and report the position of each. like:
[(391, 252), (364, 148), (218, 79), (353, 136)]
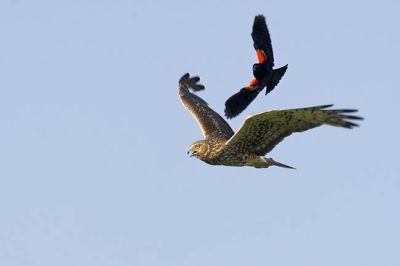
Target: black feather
[(239, 101), (276, 76), (261, 37)]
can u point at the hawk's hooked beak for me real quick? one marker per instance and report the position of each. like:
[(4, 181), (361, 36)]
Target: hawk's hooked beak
[(190, 153)]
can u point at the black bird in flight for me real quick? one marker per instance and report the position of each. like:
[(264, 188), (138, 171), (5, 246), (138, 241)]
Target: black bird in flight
[(264, 74)]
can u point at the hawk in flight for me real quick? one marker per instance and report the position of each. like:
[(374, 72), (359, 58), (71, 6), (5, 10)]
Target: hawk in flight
[(259, 133), (265, 75)]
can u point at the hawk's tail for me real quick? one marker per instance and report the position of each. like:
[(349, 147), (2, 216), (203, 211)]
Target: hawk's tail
[(272, 162)]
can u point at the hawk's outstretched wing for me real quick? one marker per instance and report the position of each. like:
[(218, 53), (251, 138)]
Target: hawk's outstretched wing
[(261, 132), (208, 120)]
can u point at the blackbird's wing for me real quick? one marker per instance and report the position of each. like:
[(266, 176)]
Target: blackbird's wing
[(262, 39), (239, 101)]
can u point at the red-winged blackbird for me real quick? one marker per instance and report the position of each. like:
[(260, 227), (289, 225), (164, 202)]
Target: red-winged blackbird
[(264, 74)]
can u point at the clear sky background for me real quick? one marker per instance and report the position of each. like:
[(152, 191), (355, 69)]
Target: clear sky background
[(93, 137)]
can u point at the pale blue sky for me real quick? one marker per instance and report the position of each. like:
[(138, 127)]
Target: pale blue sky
[(94, 169)]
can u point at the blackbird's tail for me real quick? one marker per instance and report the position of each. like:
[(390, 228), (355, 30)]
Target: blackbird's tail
[(276, 76), (239, 101)]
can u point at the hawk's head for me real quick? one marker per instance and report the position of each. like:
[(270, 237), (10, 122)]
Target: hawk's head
[(198, 149)]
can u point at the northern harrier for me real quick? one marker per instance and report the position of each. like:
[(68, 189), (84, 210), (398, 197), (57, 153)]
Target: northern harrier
[(259, 133), (265, 75)]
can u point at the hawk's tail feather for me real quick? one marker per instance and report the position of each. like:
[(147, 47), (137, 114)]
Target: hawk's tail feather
[(272, 162)]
